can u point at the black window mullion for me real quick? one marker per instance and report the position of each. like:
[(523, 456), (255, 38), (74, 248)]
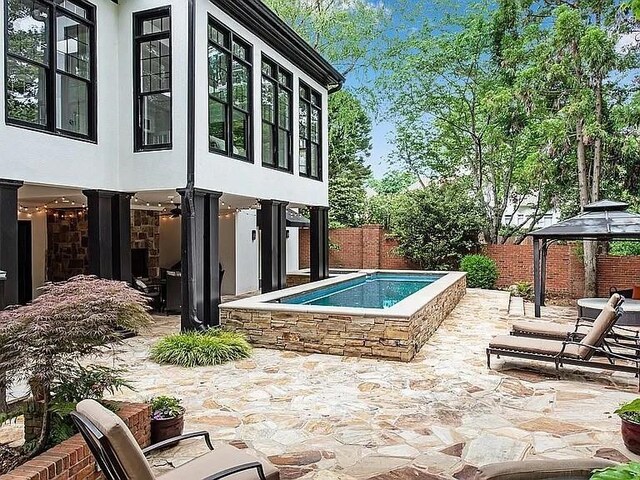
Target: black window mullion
[(51, 71)]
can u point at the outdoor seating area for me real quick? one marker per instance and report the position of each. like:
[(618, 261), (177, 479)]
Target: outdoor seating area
[(443, 416)]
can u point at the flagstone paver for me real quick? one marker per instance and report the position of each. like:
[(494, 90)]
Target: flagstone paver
[(440, 416)]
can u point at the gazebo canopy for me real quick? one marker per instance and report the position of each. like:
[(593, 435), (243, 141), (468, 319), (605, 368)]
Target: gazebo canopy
[(603, 220)]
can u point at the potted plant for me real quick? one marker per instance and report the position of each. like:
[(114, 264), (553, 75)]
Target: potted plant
[(629, 413), (167, 418)]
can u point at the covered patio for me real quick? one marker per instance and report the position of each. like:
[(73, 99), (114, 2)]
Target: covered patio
[(605, 220)]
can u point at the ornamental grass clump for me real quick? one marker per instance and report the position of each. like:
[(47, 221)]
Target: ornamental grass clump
[(195, 349), (42, 343)]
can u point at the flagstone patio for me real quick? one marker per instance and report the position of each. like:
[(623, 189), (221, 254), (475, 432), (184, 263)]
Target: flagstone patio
[(439, 416)]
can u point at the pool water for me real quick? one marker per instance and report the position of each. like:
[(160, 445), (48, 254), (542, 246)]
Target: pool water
[(379, 290)]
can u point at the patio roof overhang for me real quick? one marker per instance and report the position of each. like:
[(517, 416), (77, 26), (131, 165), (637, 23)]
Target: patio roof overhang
[(605, 220)]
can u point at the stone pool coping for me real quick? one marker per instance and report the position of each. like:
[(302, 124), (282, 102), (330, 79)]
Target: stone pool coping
[(402, 310)]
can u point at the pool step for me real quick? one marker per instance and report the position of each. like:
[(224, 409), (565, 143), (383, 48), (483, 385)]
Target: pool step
[(516, 307)]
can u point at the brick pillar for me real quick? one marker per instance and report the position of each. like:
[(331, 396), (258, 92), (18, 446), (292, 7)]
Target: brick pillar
[(371, 236)]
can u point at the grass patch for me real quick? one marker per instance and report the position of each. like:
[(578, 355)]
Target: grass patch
[(196, 349)]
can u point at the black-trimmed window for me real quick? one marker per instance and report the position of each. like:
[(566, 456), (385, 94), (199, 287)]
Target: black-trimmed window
[(277, 108), (230, 68), (50, 66), (310, 127), (152, 78)]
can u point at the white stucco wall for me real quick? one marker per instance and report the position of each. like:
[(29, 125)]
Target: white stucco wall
[(227, 253), (170, 238), (292, 250), (246, 252)]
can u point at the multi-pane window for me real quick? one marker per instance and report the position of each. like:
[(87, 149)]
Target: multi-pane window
[(310, 150), (229, 93), (50, 66), (153, 79), (277, 97)]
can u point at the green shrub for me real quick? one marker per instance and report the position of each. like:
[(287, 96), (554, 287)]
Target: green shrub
[(193, 349), (482, 271), (522, 289), (626, 471), (624, 249)]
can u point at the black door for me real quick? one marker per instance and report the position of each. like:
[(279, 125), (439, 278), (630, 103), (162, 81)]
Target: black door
[(24, 262)]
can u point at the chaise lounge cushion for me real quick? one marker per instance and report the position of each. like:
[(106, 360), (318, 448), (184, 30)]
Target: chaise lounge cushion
[(220, 459), (120, 437), (573, 469), (598, 331), (533, 345), (547, 329)]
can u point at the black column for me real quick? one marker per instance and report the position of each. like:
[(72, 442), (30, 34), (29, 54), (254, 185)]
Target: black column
[(536, 277), (121, 230), (9, 241), (273, 244), (200, 258), (109, 218), (319, 243)]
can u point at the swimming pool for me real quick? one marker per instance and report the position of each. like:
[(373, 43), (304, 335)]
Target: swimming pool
[(387, 314), (377, 290)]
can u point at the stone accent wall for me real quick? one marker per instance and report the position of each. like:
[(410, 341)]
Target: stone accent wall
[(348, 335), (67, 240), (72, 460), (145, 233)]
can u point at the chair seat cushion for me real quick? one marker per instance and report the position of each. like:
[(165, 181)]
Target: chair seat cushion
[(546, 329), (221, 458), (574, 469), (533, 345)]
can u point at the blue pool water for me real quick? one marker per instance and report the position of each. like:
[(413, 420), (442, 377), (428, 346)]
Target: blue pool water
[(379, 290)]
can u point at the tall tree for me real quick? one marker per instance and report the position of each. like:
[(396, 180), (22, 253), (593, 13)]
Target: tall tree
[(579, 79), (459, 113)]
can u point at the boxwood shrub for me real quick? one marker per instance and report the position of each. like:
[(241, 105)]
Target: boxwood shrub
[(482, 271)]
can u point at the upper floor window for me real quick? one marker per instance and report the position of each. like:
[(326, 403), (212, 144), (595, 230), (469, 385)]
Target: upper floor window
[(229, 93), (310, 150), (276, 115), (50, 66), (152, 70)]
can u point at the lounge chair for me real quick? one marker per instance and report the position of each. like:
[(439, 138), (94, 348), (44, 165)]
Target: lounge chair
[(120, 458), (575, 331), (573, 352), (576, 469)]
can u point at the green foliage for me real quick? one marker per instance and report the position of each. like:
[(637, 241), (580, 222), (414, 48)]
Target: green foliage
[(482, 271), (164, 407), (523, 290), (626, 471), (393, 182), (624, 249), (630, 411), (438, 225), (194, 349)]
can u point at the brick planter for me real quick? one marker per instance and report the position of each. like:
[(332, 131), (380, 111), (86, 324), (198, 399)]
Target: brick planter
[(72, 459)]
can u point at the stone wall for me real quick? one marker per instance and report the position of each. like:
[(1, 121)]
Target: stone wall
[(349, 335), (67, 240), (72, 460), (145, 233)]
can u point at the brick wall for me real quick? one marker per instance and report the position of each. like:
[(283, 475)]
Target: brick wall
[(72, 460), (565, 272), (366, 247)]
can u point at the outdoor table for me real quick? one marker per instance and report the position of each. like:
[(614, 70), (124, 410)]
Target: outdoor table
[(591, 308)]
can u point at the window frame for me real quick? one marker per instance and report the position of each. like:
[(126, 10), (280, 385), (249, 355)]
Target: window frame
[(138, 38), (275, 137), (310, 106), (52, 71), (230, 108)]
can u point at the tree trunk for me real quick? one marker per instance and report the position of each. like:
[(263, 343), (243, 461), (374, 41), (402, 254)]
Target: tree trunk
[(589, 247), (597, 147)]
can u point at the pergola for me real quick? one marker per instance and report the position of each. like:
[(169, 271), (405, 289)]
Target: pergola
[(605, 220)]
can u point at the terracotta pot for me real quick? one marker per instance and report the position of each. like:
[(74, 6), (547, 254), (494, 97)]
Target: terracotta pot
[(166, 428), (631, 435)]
